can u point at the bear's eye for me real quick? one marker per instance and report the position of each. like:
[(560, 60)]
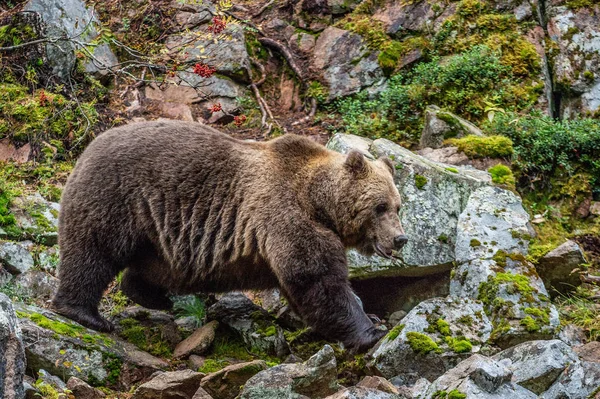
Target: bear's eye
[(381, 208)]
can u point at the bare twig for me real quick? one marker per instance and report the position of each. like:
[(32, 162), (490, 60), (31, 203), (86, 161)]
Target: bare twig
[(311, 114)]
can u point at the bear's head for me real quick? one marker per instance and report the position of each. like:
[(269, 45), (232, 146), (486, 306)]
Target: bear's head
[(368, 206)]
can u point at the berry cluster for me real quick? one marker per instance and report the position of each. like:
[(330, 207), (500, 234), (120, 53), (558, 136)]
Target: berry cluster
[(216, 108), (204, 70), (218, 25), (239, 120)]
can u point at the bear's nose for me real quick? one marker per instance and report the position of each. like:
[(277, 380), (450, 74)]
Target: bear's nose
[(399, 241)]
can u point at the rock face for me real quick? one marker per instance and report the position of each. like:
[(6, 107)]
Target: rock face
[(434, 195), (344, 62), (401, 18), (441, 125), (36, 218), (434, 337), (576, 65), (38, 284), (478, 377), (557, 267), (170, 385), (67, 349), (16, 257), (315, 378), (252, 322), (226, 383), (12, 353), (492, 240), (537, 364), (71, 18)]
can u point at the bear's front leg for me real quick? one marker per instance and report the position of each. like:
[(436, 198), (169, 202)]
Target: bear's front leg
[(316, 284)]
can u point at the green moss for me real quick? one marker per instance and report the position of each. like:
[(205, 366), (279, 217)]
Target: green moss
[(292, 336), (466, 320), (317, 91), (146, 338), (454, 394), (394, 332), (459, 344), (483, 147), (453, 170), (576, 4), (475, 243), (443, 327), (443, 238), (530, 324), (66, 329), (212, 365), (515, 283), (542, 315), (420, 181), (502, 175), (268, 331), (421, 343)]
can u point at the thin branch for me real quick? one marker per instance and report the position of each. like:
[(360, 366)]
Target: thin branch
[(287, 54)]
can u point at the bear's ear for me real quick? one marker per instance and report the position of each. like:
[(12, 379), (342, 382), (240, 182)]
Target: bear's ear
[(356, 163), (390, 165)]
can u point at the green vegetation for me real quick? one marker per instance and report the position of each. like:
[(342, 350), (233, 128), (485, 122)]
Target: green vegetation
[(146, 338), (66, 329), (421, 343), (514, 283), (396, 113), (502, 175), (212, 365), (42, 115), (581, 310), (475, 243), (453, 170), (191, 306), (453, 394), (483, 147), (530, 324), (47, 391), (394, 332), (443, 238), (545, 148), (420, 181)]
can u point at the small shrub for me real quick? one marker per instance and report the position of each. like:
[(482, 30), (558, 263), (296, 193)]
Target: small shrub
[(191, 306)]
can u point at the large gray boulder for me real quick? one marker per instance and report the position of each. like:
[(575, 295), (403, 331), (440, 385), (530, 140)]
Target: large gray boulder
[(537, 364), (558, 268), (12, 352), (493, 234), (477, 377), (362, 393), (71, 19), (345, 63), (315, 378), (433, 338), (227, 382), (433, 197), (68, 349)]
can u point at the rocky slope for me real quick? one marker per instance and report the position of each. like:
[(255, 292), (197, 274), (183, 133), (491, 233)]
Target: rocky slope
[(493, 297)]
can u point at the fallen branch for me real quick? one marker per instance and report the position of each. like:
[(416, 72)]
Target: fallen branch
[(261, 68), (287, 54)]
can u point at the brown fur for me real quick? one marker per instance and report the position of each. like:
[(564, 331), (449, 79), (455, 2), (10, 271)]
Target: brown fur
[(183, 208)]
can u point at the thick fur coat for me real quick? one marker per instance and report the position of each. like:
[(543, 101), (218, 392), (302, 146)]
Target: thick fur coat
[(183, 208)]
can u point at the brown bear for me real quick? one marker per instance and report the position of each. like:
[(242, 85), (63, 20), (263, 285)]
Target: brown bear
[(184, 209)]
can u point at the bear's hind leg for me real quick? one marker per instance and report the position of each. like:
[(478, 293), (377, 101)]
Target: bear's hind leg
[(143, 292), (83, 279)]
